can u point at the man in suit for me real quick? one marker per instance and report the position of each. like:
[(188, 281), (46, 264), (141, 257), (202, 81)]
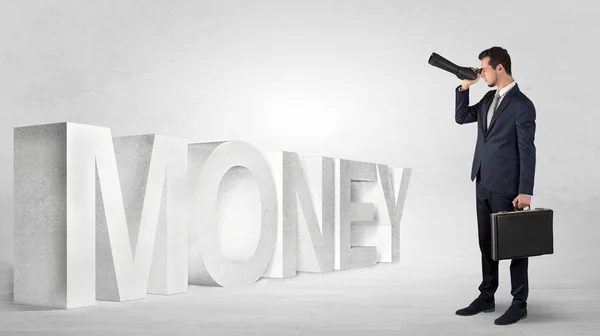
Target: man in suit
[(504, 166)]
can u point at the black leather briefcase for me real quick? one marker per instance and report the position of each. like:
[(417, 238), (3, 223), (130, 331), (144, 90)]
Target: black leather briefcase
[(522, 233)]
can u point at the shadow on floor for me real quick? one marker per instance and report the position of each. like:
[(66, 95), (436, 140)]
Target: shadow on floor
[(540, 313), (14, 307)]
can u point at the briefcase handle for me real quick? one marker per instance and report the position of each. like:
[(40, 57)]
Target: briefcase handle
[(523, 208)]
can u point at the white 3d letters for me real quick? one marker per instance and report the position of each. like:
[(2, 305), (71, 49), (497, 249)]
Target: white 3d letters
[(102, 218), (352, 213), (384, 231), (305, 234), (70, 218), (283, 263), (144, 248), (209, 164), (314, 180)]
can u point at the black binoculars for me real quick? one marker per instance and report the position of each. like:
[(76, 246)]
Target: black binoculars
[(460, 72)]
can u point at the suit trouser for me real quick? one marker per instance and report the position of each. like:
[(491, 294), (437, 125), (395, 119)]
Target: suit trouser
[(489, 202)]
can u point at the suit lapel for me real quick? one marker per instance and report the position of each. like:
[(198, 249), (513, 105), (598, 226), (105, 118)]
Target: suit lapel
[(486, 108), (503, 104), (505, 101)]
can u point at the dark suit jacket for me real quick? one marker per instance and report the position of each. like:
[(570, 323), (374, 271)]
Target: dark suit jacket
[(505, 154)]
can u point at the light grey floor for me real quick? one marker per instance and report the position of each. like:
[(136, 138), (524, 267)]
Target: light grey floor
[(381, 300)]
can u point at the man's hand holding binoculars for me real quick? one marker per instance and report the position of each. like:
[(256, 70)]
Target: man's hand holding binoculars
[(466, 83)]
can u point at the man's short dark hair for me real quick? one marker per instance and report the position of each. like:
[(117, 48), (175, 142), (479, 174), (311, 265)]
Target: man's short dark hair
[(497, 56)]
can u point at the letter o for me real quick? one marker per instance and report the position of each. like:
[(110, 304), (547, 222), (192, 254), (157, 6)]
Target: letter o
[(209, 164)]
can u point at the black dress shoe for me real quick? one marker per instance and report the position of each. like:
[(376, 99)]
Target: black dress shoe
[(512, 315), (476, 307)]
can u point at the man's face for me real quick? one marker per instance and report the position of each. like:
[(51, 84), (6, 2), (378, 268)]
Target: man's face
[(489, 75)]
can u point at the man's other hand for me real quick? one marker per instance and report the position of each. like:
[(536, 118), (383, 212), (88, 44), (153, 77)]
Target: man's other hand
[(521, 201)]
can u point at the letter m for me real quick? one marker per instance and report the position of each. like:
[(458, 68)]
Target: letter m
[(97, 217)]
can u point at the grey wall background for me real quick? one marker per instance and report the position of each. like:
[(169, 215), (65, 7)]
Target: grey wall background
[(347, 79)]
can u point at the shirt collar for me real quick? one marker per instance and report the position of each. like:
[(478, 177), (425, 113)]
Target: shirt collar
[(507, 88)]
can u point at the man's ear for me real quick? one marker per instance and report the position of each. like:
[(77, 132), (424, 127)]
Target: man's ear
[(500, 68)]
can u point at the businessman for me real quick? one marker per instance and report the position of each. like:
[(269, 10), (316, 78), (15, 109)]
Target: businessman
[(504, 169)]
